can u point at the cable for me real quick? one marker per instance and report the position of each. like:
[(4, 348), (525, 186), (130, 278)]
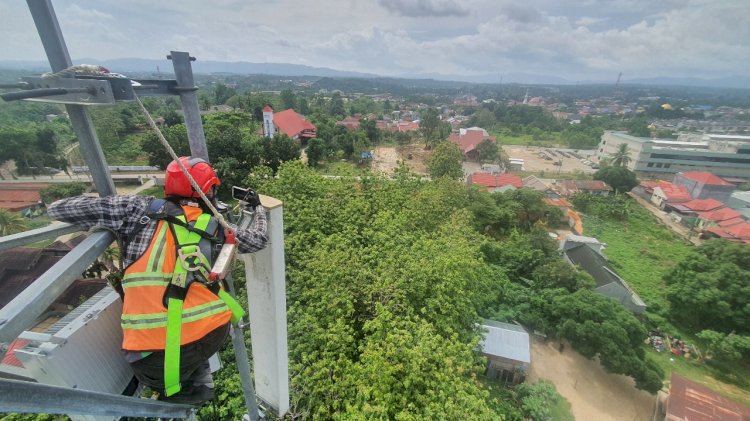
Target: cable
[(174, 156)]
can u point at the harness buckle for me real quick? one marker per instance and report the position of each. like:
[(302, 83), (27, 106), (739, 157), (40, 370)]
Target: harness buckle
[(192, 261), (144, 220)]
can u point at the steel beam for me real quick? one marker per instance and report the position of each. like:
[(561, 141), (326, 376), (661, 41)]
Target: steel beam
[(187, 91), (57, 52), (19, 314), (27, 397), (39, 234)]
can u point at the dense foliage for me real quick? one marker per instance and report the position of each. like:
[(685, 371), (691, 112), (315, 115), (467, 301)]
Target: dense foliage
[(621, 179), (58, 191), (710, 289), (385, 285)]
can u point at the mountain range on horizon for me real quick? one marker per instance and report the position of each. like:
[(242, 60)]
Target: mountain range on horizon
[(125, 65)]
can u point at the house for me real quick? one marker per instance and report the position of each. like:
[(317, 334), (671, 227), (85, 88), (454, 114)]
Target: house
[(508, 351), (468, 140), (690, 401), (495, 182), (704, 185), (586, 252), (693, 207), (570, 187), (541, 184), (668, 193), (288, 122), (722, 217), (350, 122), (21, 197), (738, 232)]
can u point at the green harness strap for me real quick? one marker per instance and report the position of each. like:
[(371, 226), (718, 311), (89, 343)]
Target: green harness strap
[(186, 242), (189, 259)]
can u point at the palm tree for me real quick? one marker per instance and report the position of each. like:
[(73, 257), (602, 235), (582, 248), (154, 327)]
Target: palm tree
[(11, 222), (621, 158)]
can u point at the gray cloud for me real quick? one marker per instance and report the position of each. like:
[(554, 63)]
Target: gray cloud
[(700, 38), (420, 8)]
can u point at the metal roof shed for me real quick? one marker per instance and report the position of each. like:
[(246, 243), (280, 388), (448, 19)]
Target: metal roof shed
[(507, 341)]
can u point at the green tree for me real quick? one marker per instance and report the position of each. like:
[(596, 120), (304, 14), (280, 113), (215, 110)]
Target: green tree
[(288, 99), (445, 161), (488, 151), (710, 289), (728, 348), (621, 158), (559, 274), (62, 190), (222, 93), (537, 398), (280, 148), (620, 178), (12, 222), (428, 125), (315, 152), (336, 106)]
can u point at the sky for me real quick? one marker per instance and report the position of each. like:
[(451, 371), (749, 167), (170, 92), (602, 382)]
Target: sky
[(576, 40)]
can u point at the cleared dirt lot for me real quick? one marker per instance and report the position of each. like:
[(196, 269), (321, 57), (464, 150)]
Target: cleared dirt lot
[(533, 162), (593, 393), (386, 158)]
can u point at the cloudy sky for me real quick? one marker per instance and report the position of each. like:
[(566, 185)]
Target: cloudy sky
[(581, 40)]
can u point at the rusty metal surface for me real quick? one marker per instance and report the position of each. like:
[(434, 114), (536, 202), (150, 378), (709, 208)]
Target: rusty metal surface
[(694, 402)]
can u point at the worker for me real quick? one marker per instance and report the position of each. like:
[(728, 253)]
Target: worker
[(168, 245)]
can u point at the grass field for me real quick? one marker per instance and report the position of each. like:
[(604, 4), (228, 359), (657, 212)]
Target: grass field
[(548, 139), (642, 251)]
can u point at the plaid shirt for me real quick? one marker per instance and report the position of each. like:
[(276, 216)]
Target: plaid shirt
[(123, 214)]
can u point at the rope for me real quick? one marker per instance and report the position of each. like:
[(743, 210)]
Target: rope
[(174, 156)]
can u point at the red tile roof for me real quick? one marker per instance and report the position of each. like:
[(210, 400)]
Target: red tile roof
[(706, 178), (350, 122), (407, 126), (469, 140), (496, 180), (293, 124), (651, 184), (19, 196), (10, 356), (702, 205), (735, 232), (690, 401), (719, 215), (674, 193)]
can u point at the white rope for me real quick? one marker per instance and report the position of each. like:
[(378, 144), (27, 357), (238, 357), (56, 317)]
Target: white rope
[(174, 156)]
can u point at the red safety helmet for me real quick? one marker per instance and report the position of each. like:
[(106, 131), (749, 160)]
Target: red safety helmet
[(176, 184)]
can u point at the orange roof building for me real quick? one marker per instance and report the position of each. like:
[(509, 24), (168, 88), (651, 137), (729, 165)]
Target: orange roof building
[(496, 182), (288, 122), (469, 139)]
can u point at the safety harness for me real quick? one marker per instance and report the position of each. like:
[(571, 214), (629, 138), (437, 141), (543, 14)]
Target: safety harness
[(193, 242)]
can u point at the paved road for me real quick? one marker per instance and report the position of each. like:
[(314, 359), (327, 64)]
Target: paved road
[(676, 227)]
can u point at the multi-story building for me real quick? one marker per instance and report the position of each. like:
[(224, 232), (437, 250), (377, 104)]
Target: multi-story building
[(659, 157)]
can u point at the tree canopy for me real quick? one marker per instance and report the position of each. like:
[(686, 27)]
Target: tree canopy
[(620, 178), (445, 161), (710, 289)]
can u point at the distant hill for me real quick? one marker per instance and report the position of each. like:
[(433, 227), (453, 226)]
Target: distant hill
[(140, 65)]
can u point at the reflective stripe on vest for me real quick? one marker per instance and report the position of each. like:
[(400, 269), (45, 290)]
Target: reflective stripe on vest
[(145, 282)]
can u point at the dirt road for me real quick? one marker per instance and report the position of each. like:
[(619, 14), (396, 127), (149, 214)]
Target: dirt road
[(594, 394)]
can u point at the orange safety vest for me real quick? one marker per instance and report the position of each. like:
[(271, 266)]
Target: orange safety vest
[(144, 316)]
